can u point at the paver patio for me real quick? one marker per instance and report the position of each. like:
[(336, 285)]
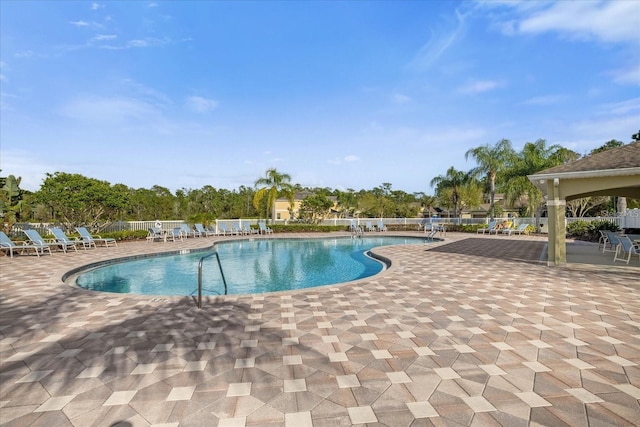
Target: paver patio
[(474, 330)]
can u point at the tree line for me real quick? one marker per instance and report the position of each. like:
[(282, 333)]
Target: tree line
[(73, 199)]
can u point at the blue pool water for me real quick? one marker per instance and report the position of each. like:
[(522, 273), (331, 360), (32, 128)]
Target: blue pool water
[(250, 266)]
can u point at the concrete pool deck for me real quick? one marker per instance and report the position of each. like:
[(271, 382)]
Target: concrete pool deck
[(474, 330)]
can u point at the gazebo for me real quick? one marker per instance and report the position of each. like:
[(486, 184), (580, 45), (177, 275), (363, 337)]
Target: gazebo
[(615, 172)]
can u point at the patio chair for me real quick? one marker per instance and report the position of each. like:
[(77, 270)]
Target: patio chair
[(500, 226), (521, 229), (247, 228), (7, 245), (492, 225), (236, 228), (369, 226), (381, 226), (222, 228), (155, 233), (63, 241), (612, 240), (263, 229), (176, 234), (603, 240), (37, 241), (203, 231), (626, 246), (89, 240), (188, 231)]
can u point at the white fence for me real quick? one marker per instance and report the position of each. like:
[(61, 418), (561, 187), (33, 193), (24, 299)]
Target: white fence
[(631, 219)]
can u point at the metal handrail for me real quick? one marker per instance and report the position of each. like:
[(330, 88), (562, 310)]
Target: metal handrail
[(224, 281)]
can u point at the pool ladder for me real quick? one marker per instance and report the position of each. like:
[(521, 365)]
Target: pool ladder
[(224, 281)]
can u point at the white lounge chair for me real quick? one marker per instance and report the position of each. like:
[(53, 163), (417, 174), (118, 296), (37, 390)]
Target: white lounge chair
[(521, 229), (381, 226), (222, 229), (613, 240), (625, 247), (247, 228), (263, 229), (188, 231), (176, 234), (236, 228), (7, 245), (90, 240), (63, 241), (203, 231), (37, 240), (492, 225), (369, 226), (155, 233)]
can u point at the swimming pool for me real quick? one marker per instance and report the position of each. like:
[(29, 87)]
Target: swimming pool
[(250, 266)]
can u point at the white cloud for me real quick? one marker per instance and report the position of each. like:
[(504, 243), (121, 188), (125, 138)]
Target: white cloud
[(627, 76), (438, 44), (400, 98), (79, 23), (138, 43), (95, 6), (604, 21), (27, 166), (545, 100), (102, 37), (103, 109), (623, 107), (479, 86), (200, 104), (346, 159)]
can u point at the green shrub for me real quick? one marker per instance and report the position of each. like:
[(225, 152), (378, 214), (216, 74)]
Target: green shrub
[(589, 230)]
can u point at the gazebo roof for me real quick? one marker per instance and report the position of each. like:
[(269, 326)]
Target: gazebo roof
[(614, 172), (624, 157)]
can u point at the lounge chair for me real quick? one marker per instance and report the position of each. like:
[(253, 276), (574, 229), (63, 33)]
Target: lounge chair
[(203, 231), (188, 231), (176, 234), (37, 240), (236, 228), (89, 240), (247, 228), (626, 246), (603, 240), (381, 226), (369, 226), (612, 240), (222, 228), (521, 229), (500, 226), (504, 228), (155, 233), (7, 245), (263, 229), (65, 242), (492, 225)]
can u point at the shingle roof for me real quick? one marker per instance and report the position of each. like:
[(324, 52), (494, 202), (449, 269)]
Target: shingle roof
[(627, 156)]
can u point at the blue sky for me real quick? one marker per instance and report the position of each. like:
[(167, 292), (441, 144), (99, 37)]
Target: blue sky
[(337, 94)]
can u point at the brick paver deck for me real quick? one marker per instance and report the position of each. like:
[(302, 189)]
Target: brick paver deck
[(474, 330)]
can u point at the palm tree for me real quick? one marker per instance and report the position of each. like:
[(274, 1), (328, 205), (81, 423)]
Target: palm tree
[(491, 161), (534, 157), (451, 183), (272, 186)]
